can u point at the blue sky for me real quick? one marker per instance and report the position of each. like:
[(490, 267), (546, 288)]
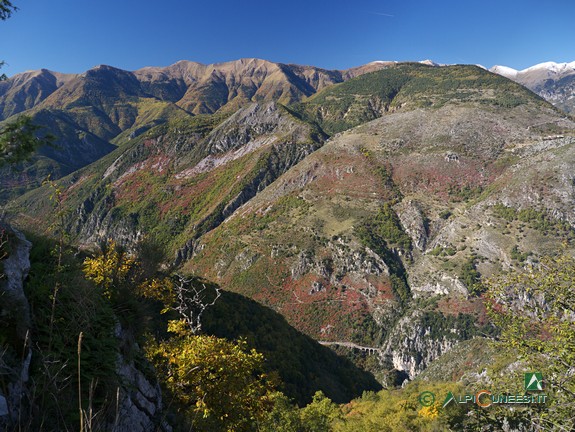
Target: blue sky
[(75, 35)]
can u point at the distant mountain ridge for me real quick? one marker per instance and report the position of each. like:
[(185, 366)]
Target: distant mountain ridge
[(195, 87), (203, 89), (554, 82), (546, 69), (28, 89), (93, 111)]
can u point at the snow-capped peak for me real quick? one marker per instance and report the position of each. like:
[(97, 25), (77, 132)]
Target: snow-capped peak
[(536, 74), (429, 62), (505, 71), (552, 67), (382, 62)]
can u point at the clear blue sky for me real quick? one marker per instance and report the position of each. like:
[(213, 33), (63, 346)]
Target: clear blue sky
[(75, 35)]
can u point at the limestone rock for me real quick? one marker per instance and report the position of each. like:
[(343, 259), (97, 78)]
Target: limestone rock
[(411, 346), (15, 269), (414, 222), (15, 306), (140, 406)]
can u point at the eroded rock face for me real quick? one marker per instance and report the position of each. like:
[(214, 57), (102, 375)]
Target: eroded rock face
[(139, 401), (15, 269), (414, 222), (412, 345), (15, 309), (359, 263)]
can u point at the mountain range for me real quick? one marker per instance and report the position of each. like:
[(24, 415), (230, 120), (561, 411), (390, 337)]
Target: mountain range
[(93, 112), (363, 205), (553, 81)]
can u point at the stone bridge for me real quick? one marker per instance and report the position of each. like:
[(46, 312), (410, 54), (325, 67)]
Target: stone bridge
[(351, 345)]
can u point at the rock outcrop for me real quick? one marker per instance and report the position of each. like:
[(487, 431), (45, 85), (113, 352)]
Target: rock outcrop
[(15, 310), (15, 269), (413, 344), (414, 222), (139, 404)]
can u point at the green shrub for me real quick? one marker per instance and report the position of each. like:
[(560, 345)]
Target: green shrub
[(445, 214), (517, 255), (470, 276)]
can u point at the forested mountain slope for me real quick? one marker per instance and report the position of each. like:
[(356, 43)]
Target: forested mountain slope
[(364, 214)]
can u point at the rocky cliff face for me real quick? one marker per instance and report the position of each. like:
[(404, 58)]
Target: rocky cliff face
[(414, 342), (560, 93), (139, 398), (15, 268), (414, 223), (15, 314)]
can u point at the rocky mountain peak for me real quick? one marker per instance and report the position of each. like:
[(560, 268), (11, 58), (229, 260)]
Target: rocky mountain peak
[(504, 71), (554, 82)]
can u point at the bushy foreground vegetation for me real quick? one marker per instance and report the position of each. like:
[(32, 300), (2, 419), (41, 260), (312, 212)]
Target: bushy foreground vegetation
[(216, 384), (90, 313)]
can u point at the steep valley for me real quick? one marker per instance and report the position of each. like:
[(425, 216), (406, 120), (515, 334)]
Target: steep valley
[(365, 208), (370, 243)]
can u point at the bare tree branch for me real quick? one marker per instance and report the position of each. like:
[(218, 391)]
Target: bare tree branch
[(192, 301)]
